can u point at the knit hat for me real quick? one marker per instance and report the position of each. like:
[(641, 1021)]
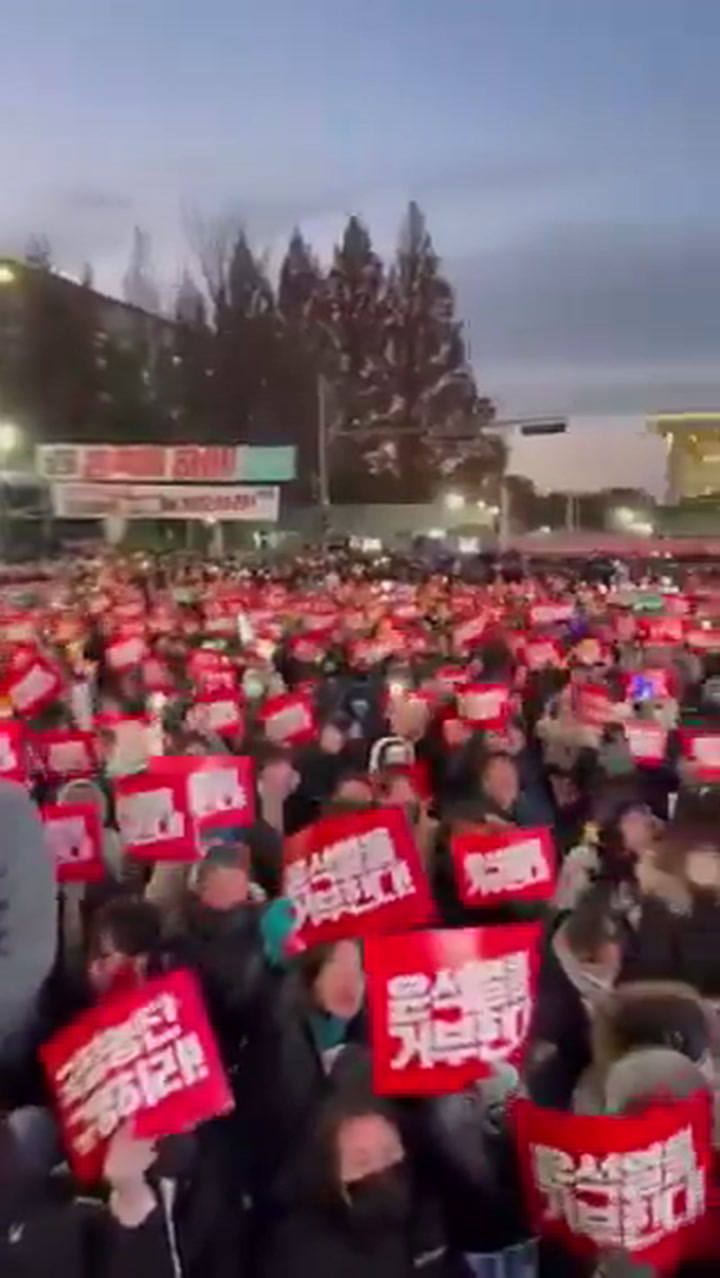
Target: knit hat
[(652, 1075)]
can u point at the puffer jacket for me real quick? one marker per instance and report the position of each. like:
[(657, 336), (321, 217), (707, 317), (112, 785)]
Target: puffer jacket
[(28, 922)]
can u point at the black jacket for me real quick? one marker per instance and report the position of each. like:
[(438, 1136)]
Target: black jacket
[(322, 1243)]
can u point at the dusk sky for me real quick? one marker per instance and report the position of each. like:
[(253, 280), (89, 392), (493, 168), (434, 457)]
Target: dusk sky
[(566, 153)]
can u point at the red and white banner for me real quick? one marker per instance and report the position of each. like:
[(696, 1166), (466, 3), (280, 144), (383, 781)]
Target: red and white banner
[(162, 814), (13, 760), (538, 653), (447, 1007), (193, 463), (593, 704), (74, 836), (66, 754), (217, 712), (126, 652), (700, 640), (170, 501), (289, 719), (647, 742), (702, 750), (636, 1184), (469, 633), (154, 819), (355, 874), (551, 614), (146, 1056), (494, 865), (484, 705), (31, 682)]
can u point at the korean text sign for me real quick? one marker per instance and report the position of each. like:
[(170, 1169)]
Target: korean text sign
[(637, 1183), (13, 763), (161, 813), (355, 874), (148, 1056), (494, 865), (289, 719), (74, 837), (485, 705), (448, 1006)]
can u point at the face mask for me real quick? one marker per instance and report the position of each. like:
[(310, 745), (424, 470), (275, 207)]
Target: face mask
[(381, 1201)]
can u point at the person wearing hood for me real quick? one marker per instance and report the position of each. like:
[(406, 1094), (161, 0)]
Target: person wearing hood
[(28, 932), (580, 964), (634, 1021), (359, 1210), (221, 940)]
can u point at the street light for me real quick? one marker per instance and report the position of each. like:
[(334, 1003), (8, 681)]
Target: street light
[(454, 501), (7, 274)]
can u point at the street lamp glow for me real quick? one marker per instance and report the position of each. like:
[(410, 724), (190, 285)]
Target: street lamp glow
[(9, 437), (494, 511), (624, 515), (7, 274), (454, 501)]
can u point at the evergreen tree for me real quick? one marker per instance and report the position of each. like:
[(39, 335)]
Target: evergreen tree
[(434, 396), (302, 306), (247, 342), (139, 287), (192, 365)]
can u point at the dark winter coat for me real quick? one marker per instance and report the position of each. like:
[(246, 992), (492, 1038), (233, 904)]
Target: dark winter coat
[(322, 1243)]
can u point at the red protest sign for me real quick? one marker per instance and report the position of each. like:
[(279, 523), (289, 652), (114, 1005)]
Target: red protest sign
[(662, 630), (538, 653), (32, 682), (485, 705), (701, 640), (289, 719), (593, 704), (702, 750), (647, 742), (66, 754), (469, 632), (145, 1055), (126, 652), (494, 865), (355, 874), (13, 763), (550, 614), (74, 837), (639, 1184), (217, 712), (447, 1007), (154, 819), (220, 789)]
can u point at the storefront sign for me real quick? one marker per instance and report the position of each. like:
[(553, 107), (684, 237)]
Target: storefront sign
[(132, 463)]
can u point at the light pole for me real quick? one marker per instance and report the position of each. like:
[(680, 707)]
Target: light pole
[(9, 439)]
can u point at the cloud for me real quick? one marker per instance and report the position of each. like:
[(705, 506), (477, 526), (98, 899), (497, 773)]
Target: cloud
[(590, 316)]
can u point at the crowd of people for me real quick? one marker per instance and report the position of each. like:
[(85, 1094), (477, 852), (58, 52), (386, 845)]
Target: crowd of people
[(313, 1174)]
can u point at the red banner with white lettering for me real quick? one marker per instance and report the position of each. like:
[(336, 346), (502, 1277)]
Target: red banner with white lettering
[(495, 865), (639, 1184), (218, 712), (219, 789), (146, 1056), (355, 874), (32, 682), (647, 742), (13, 761), (74, 836), (702, 751), (289, 719), (593, 704), (63, 755), (485, 705), (449, 1006), (154, 819), (551, 614)]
